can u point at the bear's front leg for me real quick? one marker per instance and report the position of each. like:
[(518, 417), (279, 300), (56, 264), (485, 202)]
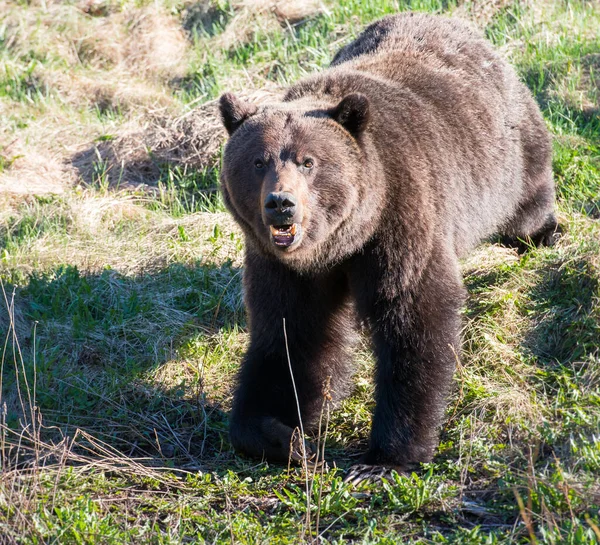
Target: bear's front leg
[(319, 326), (415, 326)]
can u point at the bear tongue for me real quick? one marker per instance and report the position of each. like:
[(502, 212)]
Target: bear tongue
[(283, 240), (283, 235)]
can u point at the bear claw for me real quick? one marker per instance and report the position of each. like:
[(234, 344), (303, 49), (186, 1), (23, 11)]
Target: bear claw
[(297, 453), (361, 473)]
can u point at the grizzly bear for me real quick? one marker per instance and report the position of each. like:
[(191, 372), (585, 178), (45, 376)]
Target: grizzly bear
[(357, 194)]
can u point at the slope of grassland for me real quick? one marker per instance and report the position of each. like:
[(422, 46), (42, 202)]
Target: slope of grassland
[(122, 319)]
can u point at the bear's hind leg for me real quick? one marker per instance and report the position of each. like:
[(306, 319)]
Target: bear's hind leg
[(534, 223)]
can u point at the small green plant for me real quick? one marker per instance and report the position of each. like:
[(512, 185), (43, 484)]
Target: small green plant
[(184, 190), (19, 83), (101, 174), (410, 493)]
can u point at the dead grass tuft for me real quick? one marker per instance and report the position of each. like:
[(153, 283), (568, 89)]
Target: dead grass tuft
[(90, 215), (481, 12), (156, 45), (287, 11), (98, 8), (136, 155), (110, 92), (264, 16), (494, 335), (581, 91), (35, 173), (242, 25), (100, 47), (49, 33), (590, 83)]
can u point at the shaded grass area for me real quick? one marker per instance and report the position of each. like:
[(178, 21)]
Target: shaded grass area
[(124, 324)]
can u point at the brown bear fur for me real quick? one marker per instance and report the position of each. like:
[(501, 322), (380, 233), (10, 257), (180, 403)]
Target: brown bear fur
[(415, 145)]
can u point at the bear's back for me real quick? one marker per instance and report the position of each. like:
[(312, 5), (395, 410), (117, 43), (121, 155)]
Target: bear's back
[(451, 41), (450, 119), (413, 48)]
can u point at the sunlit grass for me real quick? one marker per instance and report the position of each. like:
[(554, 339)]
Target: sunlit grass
[(122, 302)]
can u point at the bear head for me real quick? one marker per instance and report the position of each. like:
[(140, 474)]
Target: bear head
[(296, 176)]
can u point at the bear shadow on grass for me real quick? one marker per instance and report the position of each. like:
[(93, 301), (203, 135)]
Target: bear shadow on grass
[(563, 330), (563, 339), (103, 344), (564, 300)]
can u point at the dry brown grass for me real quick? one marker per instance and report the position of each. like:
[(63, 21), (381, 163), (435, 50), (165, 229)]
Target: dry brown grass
[(156, 45), (264, 15), (117, 63), (35, 174), (114, 92), (582, 94), (481, 12), (96, 240), (504, 379), (135, 156)]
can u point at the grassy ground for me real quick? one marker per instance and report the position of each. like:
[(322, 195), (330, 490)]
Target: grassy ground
[(122, 314)]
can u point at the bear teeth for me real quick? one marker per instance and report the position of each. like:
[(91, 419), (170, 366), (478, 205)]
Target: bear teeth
[(283, 230), (283, 235)]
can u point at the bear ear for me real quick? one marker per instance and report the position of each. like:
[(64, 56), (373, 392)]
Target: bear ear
[(234, 111), (352, 113)]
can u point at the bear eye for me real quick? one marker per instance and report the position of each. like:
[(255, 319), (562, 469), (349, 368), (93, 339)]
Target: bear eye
[(258, 164), (308, 163)]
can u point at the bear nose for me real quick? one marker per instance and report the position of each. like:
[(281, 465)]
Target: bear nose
[(280, 205)]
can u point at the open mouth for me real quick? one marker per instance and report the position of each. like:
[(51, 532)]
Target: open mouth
[(284, 235)]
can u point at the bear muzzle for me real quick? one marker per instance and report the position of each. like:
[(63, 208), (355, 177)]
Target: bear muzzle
[(281, 214)]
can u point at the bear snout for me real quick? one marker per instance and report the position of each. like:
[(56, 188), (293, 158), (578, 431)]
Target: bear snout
[(280, 207), (282, 214)]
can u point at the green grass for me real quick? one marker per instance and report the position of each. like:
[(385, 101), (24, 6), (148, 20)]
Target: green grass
[(286, 54), (124, 325), (183, 190)]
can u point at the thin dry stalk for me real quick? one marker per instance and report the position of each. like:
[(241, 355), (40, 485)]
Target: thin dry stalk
[(229, 521), (465, 469), (61, 466), (29, 433), (302, 441), (525, 516), (461, 374), (564, 488), (593, 525), (321, 447), (18, 359)]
